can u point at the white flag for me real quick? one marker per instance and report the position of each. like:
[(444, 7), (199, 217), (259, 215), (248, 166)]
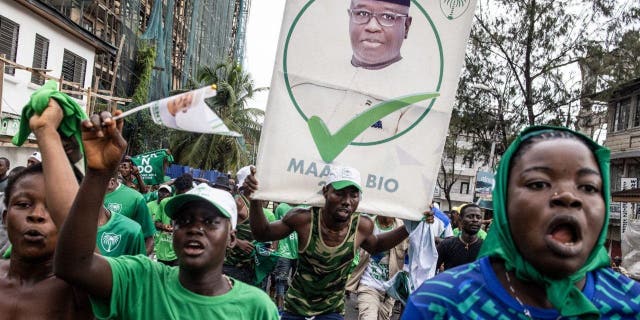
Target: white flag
[(189, 112)]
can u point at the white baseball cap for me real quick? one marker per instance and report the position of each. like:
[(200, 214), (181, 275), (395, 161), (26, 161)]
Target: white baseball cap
[(165, 187), (242, 174), (341, 177), (36, 155), (222, 200)]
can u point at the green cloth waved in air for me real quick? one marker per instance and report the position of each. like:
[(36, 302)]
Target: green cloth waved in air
[(71, 121)]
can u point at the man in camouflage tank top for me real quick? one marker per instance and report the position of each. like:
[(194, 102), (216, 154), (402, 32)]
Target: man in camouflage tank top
[(328, 239)]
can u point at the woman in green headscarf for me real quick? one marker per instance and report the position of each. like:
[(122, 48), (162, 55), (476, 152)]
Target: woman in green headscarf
[(544, 257)]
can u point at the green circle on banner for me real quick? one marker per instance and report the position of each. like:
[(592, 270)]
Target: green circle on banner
[(424, 114)]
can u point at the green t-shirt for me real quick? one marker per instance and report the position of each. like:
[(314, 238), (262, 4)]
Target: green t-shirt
[(150, 196), (163, 239), (130, 203), (120, 236), (481, 233), (287, 246), (144, 289)]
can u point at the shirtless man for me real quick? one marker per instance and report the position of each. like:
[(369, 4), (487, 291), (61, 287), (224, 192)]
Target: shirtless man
[(28, 287)]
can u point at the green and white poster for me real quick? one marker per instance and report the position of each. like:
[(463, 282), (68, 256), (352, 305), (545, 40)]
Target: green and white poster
[(368, 84), (151, 165)]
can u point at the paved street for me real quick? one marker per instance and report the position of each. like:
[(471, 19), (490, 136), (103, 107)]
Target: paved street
[(351, 311)]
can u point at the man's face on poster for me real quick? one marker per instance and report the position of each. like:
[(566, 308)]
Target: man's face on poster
[(377, 30)]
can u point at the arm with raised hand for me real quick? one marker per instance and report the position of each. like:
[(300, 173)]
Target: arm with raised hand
[(60, 183), (74, 259), (261, 229)]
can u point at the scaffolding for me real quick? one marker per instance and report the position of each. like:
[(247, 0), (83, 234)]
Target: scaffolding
[(187, 34)]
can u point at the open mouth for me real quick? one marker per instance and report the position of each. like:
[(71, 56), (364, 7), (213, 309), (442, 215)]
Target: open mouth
[(564, 236), (193, 248), (34, 236)]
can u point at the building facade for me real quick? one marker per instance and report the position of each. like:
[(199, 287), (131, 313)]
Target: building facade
[(78, 41), (623, 139)]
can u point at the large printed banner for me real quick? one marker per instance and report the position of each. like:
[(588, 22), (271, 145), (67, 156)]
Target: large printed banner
[(367, 84)]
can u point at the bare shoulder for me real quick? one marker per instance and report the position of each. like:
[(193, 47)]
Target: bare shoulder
[(365, 225), (297, 217)]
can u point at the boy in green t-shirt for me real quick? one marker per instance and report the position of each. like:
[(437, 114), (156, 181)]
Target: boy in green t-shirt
[(163, 239), (126, 287)]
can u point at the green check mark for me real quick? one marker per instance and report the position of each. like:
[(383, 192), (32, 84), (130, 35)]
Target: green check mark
[(331, 145)]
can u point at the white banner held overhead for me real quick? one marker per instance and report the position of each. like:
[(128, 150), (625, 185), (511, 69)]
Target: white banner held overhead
[(368, 84)]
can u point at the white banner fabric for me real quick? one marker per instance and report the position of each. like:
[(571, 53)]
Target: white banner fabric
[(331, 103)]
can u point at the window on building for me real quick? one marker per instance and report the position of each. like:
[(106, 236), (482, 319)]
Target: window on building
[(621, 119), (73, 70), (9, 41), (636, 119), (464, 187), (40, 57)]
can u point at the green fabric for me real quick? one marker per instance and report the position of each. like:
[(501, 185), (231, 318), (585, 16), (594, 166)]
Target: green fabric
[(265, 257), (287, 246), (73, 113), (151, 165), (163, 241), (318, 284), (281, 210), (150, 196), (120, 236), (130, 203), (562, 293), (144, 289), (481, 233), (237, 257)]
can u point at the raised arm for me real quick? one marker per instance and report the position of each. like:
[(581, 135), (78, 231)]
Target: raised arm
[(60, 183), (382, 242), (261, 229), (74, 259), (142, 187)]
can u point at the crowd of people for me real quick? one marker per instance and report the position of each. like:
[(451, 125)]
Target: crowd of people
[(103, 244), (84, 237)]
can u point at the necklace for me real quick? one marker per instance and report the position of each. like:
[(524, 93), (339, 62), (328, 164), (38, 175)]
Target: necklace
[(466, 245), (513, 291)]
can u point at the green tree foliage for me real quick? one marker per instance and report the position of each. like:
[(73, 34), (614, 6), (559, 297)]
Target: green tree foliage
[(223, 153), (523, 63), (140, 131), (526, 47)]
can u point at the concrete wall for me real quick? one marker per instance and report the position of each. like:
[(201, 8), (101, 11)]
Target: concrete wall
[(18, 88), (17, 156)]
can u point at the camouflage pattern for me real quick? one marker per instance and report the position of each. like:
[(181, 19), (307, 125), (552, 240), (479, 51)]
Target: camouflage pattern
[(237, 257), (318, 285)]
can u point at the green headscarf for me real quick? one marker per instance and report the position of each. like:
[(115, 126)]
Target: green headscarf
[(562, 293), (73, 113)]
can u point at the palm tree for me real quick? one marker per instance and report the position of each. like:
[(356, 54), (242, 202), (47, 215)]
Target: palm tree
[(223, 153)]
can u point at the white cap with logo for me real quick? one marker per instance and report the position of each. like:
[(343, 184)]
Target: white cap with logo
[(341, 177), (222, 200)]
